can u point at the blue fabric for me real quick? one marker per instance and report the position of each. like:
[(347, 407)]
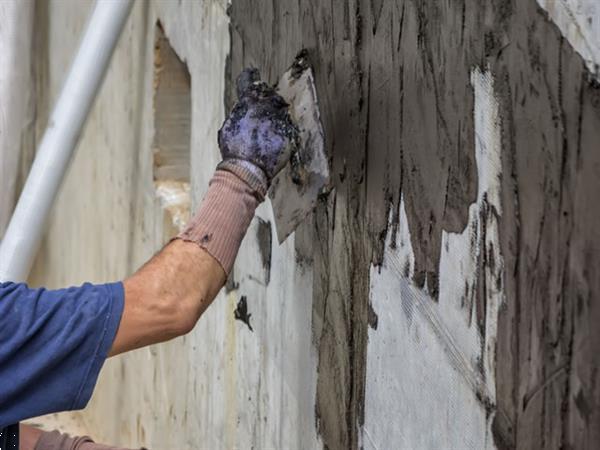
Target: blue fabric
[(53, 345), (9, 437)]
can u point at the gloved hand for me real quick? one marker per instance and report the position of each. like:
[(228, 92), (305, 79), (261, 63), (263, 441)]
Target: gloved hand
[(258, 137)]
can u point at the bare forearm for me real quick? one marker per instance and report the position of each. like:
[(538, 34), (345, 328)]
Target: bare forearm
[(167, 296)]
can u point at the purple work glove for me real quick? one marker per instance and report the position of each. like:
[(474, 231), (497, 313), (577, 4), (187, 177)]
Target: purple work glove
[(258, 137)]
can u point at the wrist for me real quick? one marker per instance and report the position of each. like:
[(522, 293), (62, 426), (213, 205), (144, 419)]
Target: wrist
[(248, 172), (225, 213)]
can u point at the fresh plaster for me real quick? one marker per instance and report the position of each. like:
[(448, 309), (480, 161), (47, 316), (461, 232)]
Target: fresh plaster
[(430, 369)]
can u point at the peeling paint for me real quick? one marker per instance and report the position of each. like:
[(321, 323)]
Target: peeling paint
[(579, 22)]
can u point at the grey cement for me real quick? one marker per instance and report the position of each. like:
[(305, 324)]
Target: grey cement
[(395, 84), (397, 106)]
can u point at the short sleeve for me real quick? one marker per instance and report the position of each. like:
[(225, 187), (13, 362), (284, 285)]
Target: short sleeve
[(53, 344)]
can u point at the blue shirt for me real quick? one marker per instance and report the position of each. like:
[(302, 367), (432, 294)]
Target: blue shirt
[(53, 345)]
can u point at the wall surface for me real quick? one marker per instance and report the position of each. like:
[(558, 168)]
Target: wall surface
[(579, 24), (444, 293), (223, 385), (15, 91), (456, 258)]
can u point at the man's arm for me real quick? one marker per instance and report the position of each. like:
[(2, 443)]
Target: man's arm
[(165, 298)]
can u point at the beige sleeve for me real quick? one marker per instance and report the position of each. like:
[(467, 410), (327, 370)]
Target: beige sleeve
[(54, 440), (223, 217)]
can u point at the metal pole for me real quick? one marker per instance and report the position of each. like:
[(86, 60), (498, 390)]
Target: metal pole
[(23, 236)]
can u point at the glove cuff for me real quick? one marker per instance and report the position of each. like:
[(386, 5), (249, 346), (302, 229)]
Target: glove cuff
[(223, 218), (248, 172)]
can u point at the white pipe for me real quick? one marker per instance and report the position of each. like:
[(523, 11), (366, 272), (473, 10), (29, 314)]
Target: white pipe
[(21, 241)]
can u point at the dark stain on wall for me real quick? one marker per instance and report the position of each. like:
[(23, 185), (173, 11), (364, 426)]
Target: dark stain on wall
[(264, 238), (241, 312), (393, 79)]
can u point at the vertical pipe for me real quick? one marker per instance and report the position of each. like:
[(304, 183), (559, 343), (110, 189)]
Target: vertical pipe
[(23, 236)]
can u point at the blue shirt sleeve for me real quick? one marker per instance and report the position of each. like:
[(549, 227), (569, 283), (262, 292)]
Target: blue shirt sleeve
[(53, 345)]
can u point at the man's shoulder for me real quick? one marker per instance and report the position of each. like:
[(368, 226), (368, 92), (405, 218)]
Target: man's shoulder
[(9, 287)]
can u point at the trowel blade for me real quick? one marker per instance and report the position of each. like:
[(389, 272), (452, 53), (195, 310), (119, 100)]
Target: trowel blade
[(294, 200)]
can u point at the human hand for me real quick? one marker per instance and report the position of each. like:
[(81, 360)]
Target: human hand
[(258, 134)]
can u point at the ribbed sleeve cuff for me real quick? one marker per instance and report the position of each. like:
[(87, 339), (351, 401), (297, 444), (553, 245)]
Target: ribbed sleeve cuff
[(223, 217), (248, 172)]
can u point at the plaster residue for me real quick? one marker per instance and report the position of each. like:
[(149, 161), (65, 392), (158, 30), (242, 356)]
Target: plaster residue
[(276, 381), (174, 198), (579, 22), (471, 260), (418, 339)]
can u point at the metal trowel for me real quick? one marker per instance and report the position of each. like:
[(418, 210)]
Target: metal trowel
[(295, 189)]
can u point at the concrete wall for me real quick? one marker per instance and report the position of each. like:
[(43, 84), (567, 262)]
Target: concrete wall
[(457, 258), (579, 24), (441, 296), (222, 386), (16, 94)]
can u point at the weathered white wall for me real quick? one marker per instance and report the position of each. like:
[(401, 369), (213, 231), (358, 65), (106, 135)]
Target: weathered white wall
[(579, 23), (16, 19), (222, 386)]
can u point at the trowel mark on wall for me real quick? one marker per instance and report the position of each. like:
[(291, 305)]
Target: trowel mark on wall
[(456, 336), (470, 264), (398, 112), (263, 236), (488, 151)]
